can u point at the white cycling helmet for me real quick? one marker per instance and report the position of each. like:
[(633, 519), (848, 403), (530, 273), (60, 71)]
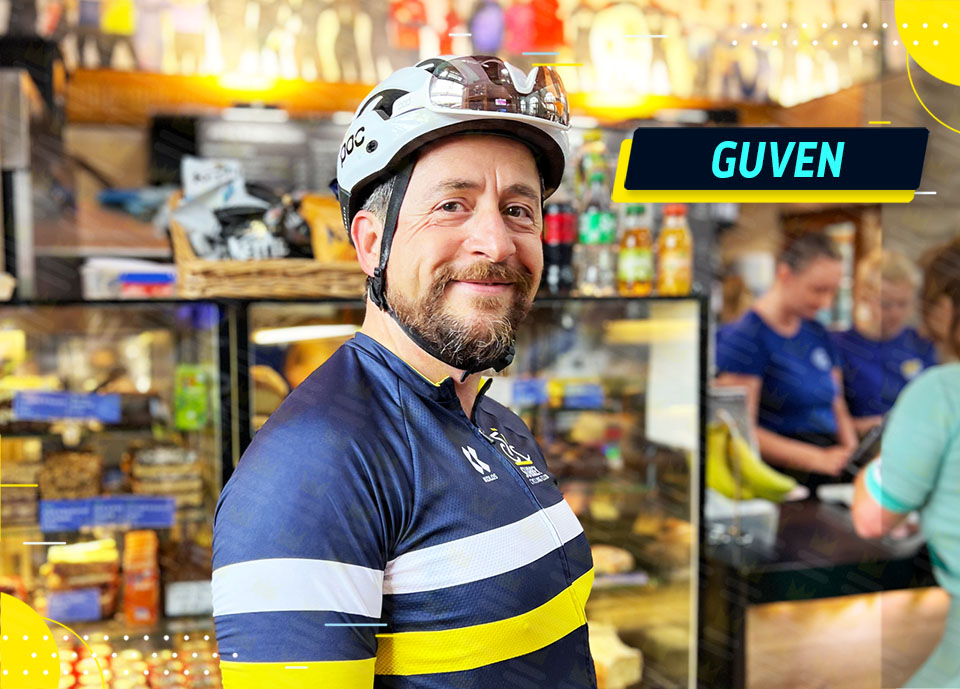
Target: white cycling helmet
[(446, 95)]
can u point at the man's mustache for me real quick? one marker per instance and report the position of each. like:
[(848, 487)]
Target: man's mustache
[(487, 272)]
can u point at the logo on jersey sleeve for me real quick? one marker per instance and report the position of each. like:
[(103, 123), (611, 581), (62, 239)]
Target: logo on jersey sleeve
[(478, 464)]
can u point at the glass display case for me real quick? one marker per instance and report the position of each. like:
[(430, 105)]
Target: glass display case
[(112, 446), (612, 389)]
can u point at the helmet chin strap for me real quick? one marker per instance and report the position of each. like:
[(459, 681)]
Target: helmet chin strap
[(378, 283)]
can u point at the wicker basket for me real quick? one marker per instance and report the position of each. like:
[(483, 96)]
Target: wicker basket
[(272, 277)]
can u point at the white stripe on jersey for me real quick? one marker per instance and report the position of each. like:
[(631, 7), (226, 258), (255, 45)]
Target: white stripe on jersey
[(483, 555), (283, 584)]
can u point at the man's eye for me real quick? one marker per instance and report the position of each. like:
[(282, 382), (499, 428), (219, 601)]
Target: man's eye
[(451, 206), (519, 212)]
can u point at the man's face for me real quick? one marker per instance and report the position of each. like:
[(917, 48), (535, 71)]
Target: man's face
[(466, 258)]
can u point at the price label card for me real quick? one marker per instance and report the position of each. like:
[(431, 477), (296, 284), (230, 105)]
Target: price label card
[(188, 598)]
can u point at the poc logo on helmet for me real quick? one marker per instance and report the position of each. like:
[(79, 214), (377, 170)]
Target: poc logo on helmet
[(353, 142)]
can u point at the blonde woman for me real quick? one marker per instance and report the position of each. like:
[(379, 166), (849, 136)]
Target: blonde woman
[(881, 353)]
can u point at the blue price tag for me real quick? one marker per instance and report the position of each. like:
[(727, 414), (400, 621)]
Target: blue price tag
[(78, 605), (42, 405), (135, 511), (529, 392), (583, 396)]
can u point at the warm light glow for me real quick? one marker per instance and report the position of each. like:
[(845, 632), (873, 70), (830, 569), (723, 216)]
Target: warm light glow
[(246, 82), (272, 336)]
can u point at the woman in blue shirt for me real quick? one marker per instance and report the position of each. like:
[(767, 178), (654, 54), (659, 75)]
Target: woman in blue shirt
[(789, 367), (880, 354)]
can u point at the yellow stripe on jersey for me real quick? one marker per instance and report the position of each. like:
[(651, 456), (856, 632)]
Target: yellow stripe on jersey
[(466, 648), (294, 675)]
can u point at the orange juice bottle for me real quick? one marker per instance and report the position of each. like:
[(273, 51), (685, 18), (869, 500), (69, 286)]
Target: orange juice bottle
[(674, 253), (635, 264), (141, 578)]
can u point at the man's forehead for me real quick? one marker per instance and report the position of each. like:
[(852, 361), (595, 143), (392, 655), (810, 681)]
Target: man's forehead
[(456, 164)]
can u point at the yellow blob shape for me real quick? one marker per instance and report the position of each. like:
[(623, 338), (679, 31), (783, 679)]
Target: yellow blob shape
[(19, 620), (941, 60)]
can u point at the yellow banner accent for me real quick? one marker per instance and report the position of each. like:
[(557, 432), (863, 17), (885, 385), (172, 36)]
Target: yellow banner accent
[(622, 195), (466, 648), (293, 675)]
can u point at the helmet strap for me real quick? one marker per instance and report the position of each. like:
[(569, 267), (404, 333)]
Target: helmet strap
[(378, 283)]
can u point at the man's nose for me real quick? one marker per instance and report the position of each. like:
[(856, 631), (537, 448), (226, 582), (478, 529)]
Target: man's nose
[(490, 236)]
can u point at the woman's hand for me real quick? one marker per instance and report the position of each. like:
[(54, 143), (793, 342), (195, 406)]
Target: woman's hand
[(831, 460)]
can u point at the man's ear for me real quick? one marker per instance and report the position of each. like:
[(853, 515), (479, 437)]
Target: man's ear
[(366, 232)]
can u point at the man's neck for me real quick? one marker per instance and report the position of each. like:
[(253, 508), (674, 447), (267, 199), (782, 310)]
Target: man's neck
[(384, 329)]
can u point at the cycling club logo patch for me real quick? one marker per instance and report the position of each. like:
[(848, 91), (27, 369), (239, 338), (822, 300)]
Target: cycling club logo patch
[(821, 359), (478, 464)]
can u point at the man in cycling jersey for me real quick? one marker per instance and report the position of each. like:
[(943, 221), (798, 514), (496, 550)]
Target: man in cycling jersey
[(391, 525)]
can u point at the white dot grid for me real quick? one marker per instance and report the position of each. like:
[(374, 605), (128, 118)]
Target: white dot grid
[(844, 25), (916, 42), (754, 41), (945, 25), (884, 25), (794, 41), (733, 42), (924, 25), (774, 41), (856, 42), (896, 42), (823, 26), (186, 637), (815, 41), (876, 42), (864, 25), (783, 26), (936, 42), (834, 41)]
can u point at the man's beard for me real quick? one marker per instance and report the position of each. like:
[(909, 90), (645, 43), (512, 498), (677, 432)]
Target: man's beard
[(463, 342)]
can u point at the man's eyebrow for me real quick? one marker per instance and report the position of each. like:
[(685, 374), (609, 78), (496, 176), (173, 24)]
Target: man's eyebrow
[(457, 184), (526, 190)]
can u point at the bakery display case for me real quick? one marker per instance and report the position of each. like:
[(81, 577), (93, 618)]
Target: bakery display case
[(612, 388), (112, 448)]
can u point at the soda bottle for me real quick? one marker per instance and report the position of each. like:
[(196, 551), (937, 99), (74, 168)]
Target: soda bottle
[(596, 263), (591, 157), (557, 277), (674, 253), (635, 264)]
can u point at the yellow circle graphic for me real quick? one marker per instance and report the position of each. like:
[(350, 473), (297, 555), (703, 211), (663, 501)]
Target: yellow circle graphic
[(930, 31), (31, 659)]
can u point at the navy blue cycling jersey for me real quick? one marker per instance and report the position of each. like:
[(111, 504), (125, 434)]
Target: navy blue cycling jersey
[(373, 535)]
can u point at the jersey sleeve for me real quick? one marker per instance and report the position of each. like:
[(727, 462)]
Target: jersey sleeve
[(921, 425), (301, 538), (740, 348)]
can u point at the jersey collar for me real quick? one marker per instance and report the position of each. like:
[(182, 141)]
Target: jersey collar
[(443, 391)]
